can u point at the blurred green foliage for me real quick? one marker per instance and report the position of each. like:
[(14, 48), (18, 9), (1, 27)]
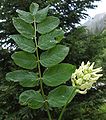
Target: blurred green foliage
[(88, 47)]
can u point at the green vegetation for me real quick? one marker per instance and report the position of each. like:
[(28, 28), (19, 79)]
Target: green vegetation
[(83, 47)]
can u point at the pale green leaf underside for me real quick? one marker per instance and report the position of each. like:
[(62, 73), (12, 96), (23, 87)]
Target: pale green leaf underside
[(24, 59)]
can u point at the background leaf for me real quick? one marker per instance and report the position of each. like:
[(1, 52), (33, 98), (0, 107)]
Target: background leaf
[(24, 43), (59, 96), (24, 28), (25, 78), (49, 40), (49, 24), (34, 8), (24, 59), (26, 16), (31, 98), (58, 74), (54, 55)]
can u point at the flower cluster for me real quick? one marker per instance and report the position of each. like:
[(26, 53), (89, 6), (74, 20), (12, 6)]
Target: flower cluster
[(85, 76)]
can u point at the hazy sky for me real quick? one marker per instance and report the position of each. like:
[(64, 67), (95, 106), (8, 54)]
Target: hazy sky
[(100, 9)]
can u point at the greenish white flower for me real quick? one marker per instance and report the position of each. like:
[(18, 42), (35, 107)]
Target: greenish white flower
[(85, 76)]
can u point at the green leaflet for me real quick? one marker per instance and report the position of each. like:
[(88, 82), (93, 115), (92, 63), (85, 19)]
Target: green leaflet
[(26, 16), (58, 74), (24, 60), (31, 98), (24, 43), (25, 78), (34, 8), (60, 95), (23, 27), (49, 24), (54, 56), (49, 40), (41, 14)]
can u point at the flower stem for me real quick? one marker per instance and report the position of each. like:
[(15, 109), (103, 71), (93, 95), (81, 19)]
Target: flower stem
[(40, 76), (69, 99)]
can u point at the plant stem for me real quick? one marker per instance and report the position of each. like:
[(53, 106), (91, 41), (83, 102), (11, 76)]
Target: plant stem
[(69, 99), (40, 76)]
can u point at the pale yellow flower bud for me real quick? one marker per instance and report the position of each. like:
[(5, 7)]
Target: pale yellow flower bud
[(85, 76)]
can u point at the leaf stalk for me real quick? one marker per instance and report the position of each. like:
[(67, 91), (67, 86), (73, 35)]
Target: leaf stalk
[(39, 71)]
